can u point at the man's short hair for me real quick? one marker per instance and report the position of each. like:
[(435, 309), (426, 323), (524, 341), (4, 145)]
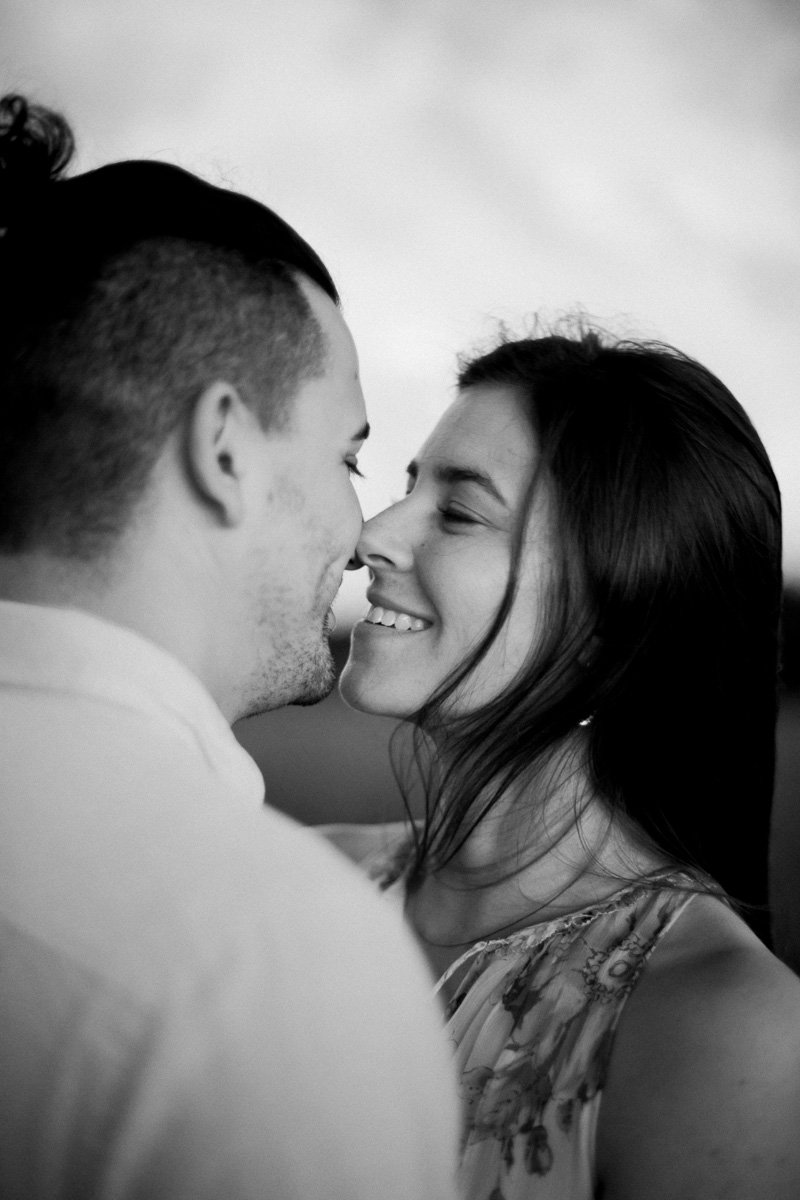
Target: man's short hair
[(126, 291)]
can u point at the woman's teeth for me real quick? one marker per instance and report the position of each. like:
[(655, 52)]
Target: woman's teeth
[(402, 622)]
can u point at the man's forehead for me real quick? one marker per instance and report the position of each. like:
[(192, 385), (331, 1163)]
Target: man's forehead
[(329, 407)]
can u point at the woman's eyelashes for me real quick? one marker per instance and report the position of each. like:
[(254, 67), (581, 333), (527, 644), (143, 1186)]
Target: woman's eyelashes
[(455, 516), (352, 467)]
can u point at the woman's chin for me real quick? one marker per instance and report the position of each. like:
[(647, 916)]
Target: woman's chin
[(369, 695)]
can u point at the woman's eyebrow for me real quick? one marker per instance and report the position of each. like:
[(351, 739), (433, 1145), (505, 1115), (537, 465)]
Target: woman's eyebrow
[(450, 473)]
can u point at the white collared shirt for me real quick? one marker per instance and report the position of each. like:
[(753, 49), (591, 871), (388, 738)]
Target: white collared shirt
[(198, 998)]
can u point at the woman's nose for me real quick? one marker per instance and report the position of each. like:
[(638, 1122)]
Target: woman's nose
[(383, 544)]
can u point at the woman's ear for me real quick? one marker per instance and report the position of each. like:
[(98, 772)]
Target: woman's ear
[(218, 445)]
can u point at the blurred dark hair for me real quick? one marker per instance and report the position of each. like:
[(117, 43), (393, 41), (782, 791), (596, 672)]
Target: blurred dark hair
[(662, 619), (126, 290)]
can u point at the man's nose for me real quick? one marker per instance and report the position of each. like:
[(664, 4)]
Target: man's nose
[(355, 563)]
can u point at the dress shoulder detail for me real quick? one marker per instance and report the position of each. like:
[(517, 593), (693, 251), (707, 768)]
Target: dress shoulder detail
[(532, 1026)]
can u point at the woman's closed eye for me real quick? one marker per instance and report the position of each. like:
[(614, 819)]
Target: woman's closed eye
[(451, 517), (457, 516), (352, 467)]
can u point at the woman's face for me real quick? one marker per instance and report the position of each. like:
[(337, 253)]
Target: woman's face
[(439, 563)]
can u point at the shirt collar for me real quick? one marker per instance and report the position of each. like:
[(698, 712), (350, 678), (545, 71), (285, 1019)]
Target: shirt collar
[(67, 650)]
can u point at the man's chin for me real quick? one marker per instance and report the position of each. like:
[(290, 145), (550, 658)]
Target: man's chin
[(318, 691), (315, 684)]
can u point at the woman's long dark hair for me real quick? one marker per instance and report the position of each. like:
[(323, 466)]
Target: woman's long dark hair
[(662, 620)]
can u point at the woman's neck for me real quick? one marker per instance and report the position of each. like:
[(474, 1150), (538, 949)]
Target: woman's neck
[(526, 863)]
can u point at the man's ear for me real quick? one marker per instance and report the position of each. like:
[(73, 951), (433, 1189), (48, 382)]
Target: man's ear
[(219, 441)]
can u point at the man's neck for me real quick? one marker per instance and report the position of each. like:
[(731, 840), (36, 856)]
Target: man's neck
[(38, 577), (134, 591)]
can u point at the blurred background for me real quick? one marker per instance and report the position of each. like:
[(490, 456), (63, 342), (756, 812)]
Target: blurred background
[(456, 164)]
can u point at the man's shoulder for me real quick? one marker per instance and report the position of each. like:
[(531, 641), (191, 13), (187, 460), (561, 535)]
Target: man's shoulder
[(124, 849), (162, 932), (329, 897), (363, 843), (247, 975)]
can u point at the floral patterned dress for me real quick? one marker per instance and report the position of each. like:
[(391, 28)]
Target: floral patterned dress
[(532, 1024)]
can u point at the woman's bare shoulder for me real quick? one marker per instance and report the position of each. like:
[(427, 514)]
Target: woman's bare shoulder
[(703, 1090), (362, 842)]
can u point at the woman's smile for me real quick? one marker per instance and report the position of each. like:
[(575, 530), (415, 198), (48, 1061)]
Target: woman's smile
[(401, 622)]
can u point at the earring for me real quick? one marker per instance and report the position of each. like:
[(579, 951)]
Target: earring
[(586, 721)]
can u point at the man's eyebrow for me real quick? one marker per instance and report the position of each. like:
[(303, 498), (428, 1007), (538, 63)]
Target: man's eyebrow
[(362, 434), (449, 473)]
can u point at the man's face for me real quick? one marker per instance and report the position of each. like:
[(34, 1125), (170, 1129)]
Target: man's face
[(307, 527)]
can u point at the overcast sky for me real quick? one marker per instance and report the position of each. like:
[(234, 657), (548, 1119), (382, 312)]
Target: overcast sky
[(457, 161)]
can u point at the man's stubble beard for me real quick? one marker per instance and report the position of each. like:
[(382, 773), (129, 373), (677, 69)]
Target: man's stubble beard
[(294, 664), (299, 676), (321, 683)]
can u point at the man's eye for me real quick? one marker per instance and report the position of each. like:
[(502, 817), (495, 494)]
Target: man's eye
[(352, 466)]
